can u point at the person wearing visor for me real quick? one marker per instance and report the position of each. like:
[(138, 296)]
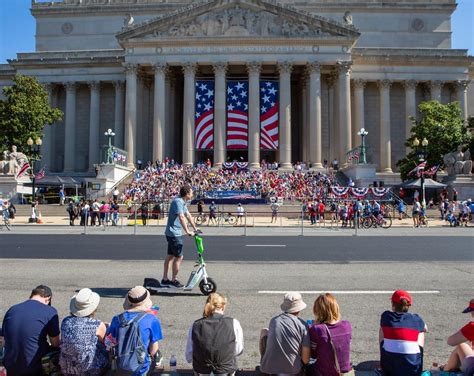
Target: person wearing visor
[(26, 329), (462, 356)]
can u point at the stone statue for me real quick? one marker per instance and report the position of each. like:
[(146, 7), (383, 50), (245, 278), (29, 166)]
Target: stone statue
[(4, 163), (129, 20), (457, 162), (12, 161), (347, 18)]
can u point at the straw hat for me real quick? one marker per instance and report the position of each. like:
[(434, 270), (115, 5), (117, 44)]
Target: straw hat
[(84, 303), (292, 303), (137, 299)]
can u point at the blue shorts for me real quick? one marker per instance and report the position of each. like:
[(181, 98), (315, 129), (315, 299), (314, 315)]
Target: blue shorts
[(175, 245)]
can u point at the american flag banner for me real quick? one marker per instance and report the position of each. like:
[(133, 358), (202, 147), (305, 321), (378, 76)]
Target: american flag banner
[(40, 175), (237, 114), (269, 115), (204, 115)]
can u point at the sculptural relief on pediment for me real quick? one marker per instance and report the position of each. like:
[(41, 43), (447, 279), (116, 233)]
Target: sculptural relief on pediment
[(240, 22)]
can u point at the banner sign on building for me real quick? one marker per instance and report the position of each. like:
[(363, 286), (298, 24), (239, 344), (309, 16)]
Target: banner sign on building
[(204, 115), (237, 114), (230, 195), (269, 115)]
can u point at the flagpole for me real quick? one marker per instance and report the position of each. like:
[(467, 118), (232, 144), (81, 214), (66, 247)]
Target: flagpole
[(35, 146)]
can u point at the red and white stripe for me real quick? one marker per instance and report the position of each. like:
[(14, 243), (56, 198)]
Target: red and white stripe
[(204, 131), (237, 129), (400, 340), (269, 129)]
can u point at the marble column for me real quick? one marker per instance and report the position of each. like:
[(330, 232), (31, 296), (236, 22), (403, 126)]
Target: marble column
[(315, 125), (220, 70), (385, 139), (461, 88), (344, 110), (410, 108), (304, 117), (436, 87), (359, 109), (94, 125), (46, 147), (70, 128), (189, 70), (254, 69), (118, 116), (131, 113), (159, 109), (170, 129), (285, 70), (333, 118)]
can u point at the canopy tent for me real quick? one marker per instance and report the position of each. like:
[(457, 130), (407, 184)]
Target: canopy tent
[(428, 183), (57, 181)]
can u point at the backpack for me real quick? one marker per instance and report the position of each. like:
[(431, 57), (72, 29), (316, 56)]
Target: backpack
[(130, 351)]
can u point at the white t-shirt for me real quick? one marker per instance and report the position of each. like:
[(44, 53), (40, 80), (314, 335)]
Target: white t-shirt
[(240, 211)]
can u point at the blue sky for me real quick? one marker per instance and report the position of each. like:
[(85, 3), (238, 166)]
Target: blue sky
[(17, 27)]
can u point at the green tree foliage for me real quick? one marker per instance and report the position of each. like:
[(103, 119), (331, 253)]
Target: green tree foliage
[(24, 113), (443, 127)]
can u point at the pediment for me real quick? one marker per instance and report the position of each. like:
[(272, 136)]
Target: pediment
[(237, 18)]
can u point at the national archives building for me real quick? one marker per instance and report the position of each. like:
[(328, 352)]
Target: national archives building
[(138, 67)]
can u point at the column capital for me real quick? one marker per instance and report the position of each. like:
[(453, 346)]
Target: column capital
[(436, 84), (254, 67), (285, 67), (131, 68), (410, 84), (462, 84), (70, 85), (313, 67), (384, 84), (119, 85), (189, 68), (94, 85), (344, 67), (160, 68), (220, 68), (359, 84)]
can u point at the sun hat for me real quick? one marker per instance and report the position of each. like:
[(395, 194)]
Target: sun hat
[(292, 303), (470, 308), (84, 303), (401, 294), (137, 299)]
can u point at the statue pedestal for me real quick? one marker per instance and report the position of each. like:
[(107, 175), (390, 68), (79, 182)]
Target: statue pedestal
[(361, 174), (10, 188), (107, 176), (464, 185)]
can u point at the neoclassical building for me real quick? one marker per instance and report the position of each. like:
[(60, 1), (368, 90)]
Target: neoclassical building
[(340, 65)]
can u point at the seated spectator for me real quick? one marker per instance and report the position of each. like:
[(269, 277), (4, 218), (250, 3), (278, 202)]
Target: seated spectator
[(215, 340), (82, 338), (285, 345), (330, 338), (137, 305), (401, 338), (462, 356), (26, 327)]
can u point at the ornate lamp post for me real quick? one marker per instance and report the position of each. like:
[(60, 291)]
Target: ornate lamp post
[(421, 154), (363, 133), (35, 148), (110, 151)]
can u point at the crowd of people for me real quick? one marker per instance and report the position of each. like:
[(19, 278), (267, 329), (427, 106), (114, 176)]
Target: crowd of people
[(84, 345), (159, 182)]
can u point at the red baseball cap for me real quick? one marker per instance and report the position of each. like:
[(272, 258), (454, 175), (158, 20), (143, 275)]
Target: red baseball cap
[(401, 294), (470, 308)]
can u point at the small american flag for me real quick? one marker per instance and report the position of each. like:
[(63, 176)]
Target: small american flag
[(269, 115), (22, 170), (204, 115), (40, 174), (417, 170), (237, 114)]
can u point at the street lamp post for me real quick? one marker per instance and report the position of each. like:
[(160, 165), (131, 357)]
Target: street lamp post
[(422, 155), (363, 133), (110, 134), (35, 148)]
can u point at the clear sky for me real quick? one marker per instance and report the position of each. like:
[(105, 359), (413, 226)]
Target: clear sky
[(17, 27)]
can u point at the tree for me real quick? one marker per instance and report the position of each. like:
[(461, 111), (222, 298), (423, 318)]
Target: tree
[(443, 127), (24, 113)]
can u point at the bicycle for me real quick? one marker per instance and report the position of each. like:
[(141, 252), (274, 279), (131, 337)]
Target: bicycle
[(201, 219), (228, 218), (379, 221), (6, 222)]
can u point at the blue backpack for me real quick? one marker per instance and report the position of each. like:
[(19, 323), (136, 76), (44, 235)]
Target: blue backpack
[(130, 351)]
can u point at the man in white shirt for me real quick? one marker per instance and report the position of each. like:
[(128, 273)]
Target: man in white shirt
[(240, 214)]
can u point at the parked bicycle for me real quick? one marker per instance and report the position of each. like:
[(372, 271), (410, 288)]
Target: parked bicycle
[(228, 218), (201, 219), (379, 221)]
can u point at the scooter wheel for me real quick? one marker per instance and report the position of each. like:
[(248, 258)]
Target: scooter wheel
[(209, 287)]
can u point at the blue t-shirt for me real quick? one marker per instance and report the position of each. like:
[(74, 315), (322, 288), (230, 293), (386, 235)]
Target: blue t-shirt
[(400, 353), (25, 329), (150, 332), (173, 227)]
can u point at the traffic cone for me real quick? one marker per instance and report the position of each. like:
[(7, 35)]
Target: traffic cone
[(40, 219)]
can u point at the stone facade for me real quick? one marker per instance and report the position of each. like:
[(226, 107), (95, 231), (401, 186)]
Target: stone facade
[(130, 65)]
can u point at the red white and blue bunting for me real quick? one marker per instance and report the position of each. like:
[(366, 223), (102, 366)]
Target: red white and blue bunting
[(230, 165), (359, 192), (340, 191), (380, 192)]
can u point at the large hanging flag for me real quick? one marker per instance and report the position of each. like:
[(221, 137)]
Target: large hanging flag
[(237, 114), (204, 115), (269, 115)]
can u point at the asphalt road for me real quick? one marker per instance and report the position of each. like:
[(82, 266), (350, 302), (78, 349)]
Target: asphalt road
[(239, 248)]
